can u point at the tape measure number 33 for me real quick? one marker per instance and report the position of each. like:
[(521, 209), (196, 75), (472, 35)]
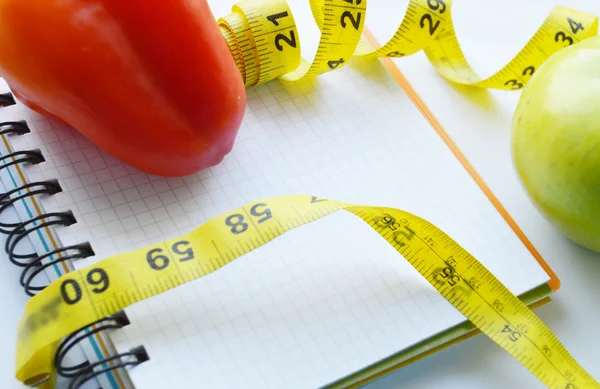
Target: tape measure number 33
[(264, 42)]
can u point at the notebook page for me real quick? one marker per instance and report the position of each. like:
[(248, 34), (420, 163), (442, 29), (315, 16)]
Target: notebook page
[(322, 301)]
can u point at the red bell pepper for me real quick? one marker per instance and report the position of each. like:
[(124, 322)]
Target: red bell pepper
[(151, 82)]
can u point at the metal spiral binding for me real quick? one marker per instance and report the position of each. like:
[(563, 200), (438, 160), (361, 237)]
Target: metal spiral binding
[(7, 99), (17, 127), (83, 372), (33, 264), (36, 266), (33, 188)]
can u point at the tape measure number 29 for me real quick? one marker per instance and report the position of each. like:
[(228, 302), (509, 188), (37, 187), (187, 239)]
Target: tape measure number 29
[(265, 44), (264, 40)]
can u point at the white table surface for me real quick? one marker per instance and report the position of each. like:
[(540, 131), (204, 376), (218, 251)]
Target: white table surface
[(490, 32)]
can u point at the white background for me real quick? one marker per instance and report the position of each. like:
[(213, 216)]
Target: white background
[(479, 121)]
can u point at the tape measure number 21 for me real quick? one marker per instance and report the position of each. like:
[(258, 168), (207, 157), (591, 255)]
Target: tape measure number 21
[(264, 42)]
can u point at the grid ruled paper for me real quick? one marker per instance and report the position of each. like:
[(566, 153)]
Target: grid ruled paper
[(320, 302)]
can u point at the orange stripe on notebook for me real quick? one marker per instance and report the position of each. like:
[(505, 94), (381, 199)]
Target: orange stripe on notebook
[(554, 282)]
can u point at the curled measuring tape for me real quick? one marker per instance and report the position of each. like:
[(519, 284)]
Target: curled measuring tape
[(90, 294), (264, 41)]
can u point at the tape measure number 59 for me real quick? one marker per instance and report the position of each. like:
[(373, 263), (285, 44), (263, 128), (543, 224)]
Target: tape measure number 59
[(83, 296), (265, 45)]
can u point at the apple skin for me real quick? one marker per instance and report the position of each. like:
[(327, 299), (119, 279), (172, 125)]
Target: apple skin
[(556, 141)]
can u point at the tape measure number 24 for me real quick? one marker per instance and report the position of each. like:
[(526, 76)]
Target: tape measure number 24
[(265, 44)]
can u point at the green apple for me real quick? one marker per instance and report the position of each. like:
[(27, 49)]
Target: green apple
[(556, 141)]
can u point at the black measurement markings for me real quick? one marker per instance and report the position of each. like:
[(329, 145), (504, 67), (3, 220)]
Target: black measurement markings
[(195, 273), (144, 292), (489, 324), (470, 311), (220, 258), (535, 41), (211, 267), (248, 246), (124, 300), (561, 36), (268, 72), (274, 31), (273, 18), (410, 12), (343, 6), (428, 10), (243, 35), (155, 286), (164, 283), (239, 253)]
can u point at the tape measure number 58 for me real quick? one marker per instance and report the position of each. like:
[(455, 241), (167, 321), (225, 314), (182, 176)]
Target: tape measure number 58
[(83, 296)]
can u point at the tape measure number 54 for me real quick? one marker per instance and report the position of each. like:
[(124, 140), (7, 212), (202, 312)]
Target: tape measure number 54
[(265, 45), (81, 297)]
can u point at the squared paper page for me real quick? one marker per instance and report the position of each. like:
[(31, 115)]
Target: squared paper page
[(320, 302)]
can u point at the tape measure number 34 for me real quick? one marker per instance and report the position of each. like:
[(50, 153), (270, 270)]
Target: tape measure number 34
[(264, 42)]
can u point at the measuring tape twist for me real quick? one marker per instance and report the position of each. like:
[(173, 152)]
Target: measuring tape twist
[(84, 296), (265, 36), (265, 45)]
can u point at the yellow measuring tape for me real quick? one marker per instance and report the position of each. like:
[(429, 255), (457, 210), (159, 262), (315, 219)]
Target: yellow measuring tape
[(83, 296), (264, 40), (264, 43)]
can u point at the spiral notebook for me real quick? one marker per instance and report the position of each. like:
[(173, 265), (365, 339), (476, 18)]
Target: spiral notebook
[(308, 310)]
